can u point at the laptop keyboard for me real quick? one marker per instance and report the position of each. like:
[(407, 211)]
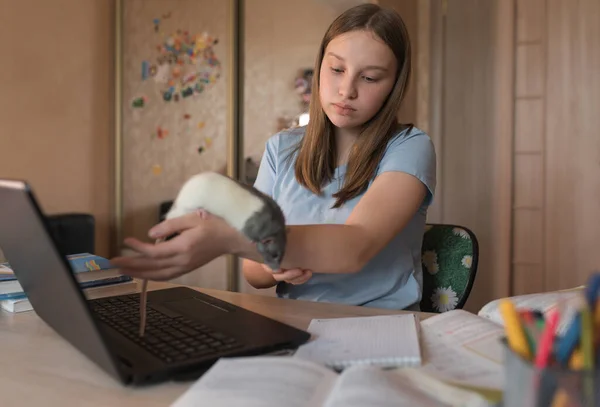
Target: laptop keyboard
[(170, 339)]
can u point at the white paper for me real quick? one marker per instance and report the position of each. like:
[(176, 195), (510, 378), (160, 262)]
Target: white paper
[(463, 348), (260, 381), (386, 340), (449, 394), (567, 301)]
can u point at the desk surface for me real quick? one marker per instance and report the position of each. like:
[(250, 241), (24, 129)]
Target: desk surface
[(40, 368)]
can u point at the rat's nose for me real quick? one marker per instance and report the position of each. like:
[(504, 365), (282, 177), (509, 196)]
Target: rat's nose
[(274, 263)]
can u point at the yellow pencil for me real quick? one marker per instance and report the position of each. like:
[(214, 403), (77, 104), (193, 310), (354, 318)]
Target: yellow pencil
[(514, 330), (587, 346), (596, 330)]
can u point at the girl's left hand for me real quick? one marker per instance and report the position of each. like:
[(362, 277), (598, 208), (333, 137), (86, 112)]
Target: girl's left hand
[(292, 276), (201, 238)]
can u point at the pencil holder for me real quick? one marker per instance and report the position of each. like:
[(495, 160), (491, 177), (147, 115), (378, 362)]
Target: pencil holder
[(528, 386)]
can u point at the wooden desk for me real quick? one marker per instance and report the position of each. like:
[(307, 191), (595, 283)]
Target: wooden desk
[(38, 367)]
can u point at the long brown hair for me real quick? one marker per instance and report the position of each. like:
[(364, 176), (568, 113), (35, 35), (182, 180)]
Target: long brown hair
[(317, 156)]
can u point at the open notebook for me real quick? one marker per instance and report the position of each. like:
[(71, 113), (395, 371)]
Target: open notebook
[(285, 381), (384, 341)]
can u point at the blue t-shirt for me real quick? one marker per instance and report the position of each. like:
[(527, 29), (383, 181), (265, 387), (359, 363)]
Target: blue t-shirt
[(391, 279)]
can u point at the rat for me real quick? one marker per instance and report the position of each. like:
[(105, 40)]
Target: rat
[(254, 214)]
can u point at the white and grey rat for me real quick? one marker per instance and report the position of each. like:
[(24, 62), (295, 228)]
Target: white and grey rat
[(251, 212)]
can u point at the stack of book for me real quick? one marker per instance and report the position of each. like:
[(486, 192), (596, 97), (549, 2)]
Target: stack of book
[(94, 273)]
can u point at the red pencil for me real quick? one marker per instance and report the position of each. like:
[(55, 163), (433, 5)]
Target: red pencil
[(545, 348)]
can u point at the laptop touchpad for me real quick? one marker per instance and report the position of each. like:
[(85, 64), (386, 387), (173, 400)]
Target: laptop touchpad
[(195, 307)]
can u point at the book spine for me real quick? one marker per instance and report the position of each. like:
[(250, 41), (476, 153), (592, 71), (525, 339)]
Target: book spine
[(12, 296), (80, 263), (107, 281)]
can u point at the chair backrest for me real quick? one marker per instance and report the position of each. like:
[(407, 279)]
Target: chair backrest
[(449, 256), (74, 232)]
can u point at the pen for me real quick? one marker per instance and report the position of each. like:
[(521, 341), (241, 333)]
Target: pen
[(530, 329), (569, 340), (514, 330), (591, 292), (545, 347)]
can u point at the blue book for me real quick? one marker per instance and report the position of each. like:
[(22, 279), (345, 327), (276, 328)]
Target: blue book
[(90, 270), (88, 262)]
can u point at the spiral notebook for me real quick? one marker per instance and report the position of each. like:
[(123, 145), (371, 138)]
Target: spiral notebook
[(385, 341)]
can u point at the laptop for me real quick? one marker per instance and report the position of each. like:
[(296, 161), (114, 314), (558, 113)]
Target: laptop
[(186, 331)]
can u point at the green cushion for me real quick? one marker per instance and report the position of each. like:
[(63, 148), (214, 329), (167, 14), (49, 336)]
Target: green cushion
[(449, 256)]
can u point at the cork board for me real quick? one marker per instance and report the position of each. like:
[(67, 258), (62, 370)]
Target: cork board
[(174, 106), (174, 100)]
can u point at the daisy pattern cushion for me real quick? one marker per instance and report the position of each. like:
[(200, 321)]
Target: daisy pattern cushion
[(449, 256)]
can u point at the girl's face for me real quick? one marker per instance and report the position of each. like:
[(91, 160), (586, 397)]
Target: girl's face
[(357, 74)]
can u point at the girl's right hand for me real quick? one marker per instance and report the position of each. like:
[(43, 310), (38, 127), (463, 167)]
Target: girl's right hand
[(292, 276)]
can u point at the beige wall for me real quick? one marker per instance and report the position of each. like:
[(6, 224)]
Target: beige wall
[(468, 115), (56, 103), (511, 101), (557, 146)]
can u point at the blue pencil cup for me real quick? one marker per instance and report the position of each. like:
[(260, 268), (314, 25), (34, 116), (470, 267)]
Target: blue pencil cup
[(528, 386)]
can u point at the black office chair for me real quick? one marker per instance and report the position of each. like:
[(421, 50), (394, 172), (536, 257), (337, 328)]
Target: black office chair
[(73, 232)]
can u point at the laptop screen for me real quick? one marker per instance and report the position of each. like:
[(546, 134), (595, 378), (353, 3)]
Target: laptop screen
[(45, 274)]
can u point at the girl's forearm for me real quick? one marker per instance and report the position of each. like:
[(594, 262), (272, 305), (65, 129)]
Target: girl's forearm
[(329, 249), (256, 275)]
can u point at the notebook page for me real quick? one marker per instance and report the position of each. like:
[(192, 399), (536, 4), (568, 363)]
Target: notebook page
[(463, 348), (372, 386), (387, 340), (361, 386), (268, 381)]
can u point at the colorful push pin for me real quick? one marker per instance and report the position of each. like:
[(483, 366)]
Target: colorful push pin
[(161, 133), (139, 102)]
